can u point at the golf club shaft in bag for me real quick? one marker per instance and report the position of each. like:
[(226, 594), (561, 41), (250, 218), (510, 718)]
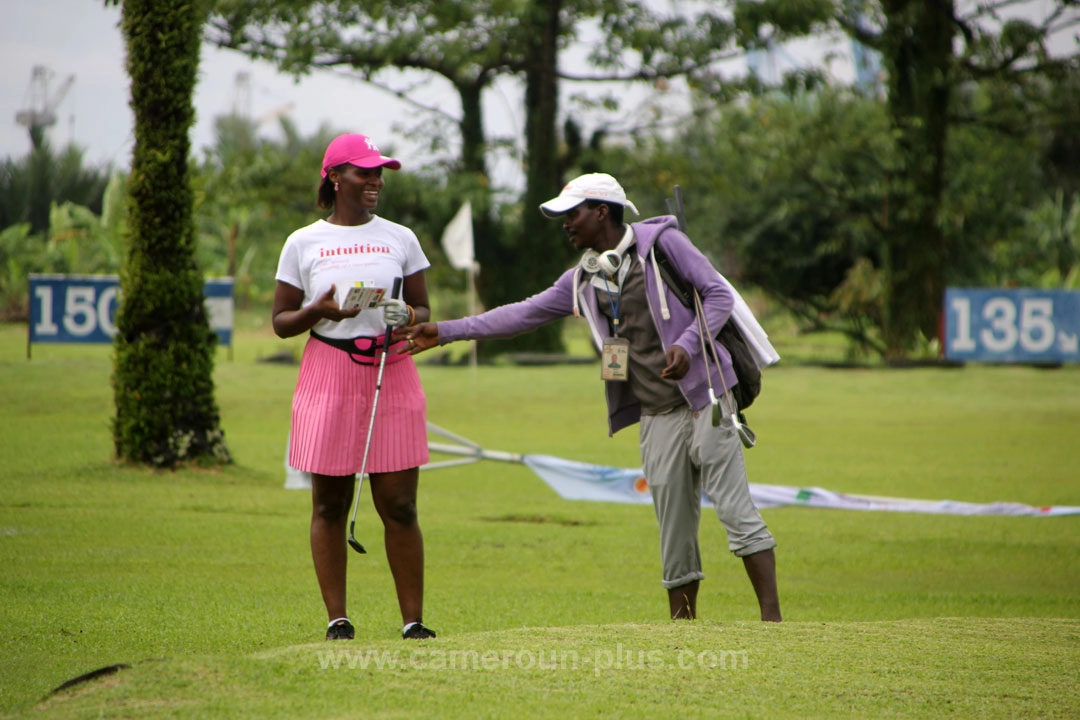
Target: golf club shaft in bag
[(746, 435), (353, 542)]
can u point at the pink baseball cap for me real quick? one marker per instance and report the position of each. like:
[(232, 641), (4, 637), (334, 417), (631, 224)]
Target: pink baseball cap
[(358, 150)]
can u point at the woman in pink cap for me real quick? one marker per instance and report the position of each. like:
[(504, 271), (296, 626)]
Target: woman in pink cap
[(332, 406)]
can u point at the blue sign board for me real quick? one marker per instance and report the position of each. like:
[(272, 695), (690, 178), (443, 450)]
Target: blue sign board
[(1012, 326), (82, 308)]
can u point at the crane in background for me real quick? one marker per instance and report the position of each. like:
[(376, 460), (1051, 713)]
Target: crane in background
[(242, 102), (41, 112)]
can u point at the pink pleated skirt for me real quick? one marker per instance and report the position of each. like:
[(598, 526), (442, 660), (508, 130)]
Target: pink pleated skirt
[(332, 408)]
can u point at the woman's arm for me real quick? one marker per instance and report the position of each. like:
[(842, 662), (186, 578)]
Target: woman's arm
[(290, 317), (415, 294)]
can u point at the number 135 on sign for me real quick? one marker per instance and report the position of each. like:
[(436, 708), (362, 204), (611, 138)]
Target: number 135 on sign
[(1022, 325)]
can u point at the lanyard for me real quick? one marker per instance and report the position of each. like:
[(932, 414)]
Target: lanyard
[(615, 301)]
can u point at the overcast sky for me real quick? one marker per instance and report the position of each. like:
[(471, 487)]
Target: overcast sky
[(81, 38)]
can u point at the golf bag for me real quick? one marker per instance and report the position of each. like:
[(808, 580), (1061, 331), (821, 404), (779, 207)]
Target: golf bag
[(742, 360)]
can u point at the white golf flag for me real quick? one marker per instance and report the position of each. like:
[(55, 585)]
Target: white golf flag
[(457, 239)]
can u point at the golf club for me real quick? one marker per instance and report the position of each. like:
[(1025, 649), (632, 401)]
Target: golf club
[(353, 542), (715, 402), (746, 435)]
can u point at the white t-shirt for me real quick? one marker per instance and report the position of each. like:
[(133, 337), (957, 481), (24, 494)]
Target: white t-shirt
[(322, 254)]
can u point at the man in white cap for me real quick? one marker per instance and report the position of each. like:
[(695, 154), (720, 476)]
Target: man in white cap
[(654, 372)]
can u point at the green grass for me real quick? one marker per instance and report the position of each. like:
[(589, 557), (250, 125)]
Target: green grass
[(201, 580)]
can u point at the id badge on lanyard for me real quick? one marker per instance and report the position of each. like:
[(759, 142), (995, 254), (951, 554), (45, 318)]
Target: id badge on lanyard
[(615, 353), (615, 361)]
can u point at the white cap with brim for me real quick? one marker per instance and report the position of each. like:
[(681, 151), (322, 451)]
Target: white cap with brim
[(600, 187)]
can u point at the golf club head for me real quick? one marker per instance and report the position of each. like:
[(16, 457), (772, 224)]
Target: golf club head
[(746, 435), (716, 412), (355, 545)]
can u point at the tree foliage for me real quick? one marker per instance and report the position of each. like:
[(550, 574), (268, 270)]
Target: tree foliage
[(30, 185), (792, 191), (163, 383), (470, 45), (792, 195), (49, 222), (931, 51), (249, 194), (785, 194)]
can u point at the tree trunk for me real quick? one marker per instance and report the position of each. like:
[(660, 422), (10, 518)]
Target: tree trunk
[(492, 256), (917, 45), (163, 373), (473, 145), (542, 248)]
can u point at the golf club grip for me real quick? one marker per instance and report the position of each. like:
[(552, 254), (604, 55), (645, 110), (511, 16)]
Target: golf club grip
[(395, 292)]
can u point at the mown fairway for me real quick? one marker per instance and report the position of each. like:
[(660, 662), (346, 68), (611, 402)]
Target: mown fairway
[(200, 580)]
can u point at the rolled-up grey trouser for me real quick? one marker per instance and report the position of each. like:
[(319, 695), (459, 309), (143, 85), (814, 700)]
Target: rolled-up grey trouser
[(682, 453)]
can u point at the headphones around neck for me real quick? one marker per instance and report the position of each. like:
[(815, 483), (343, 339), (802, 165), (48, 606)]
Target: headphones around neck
[(609, 261)]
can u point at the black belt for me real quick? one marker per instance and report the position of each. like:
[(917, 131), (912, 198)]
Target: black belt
[(349, 345)]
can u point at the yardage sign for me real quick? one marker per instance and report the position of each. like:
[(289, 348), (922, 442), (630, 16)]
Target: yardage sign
[(82, 308), (1012, 325)]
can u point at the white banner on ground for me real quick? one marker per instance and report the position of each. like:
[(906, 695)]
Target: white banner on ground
[(573, 480), (581, 481)]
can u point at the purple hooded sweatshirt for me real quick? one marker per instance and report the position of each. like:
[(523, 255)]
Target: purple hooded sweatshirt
[(675, 323)]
